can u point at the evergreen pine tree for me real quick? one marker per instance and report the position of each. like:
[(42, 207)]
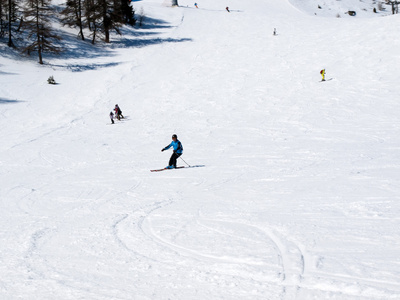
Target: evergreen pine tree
[(72, 15), (127, 12), (40, 35), (2, 17), (8, 12), (112, 18), (104, 16), (93, 18), (88, 12), (12, 9)]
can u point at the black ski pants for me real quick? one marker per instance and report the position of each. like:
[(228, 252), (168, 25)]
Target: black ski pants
[(174, 157)]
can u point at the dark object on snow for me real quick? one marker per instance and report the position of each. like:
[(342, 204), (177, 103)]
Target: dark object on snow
[(395, 9), (112, 117), (374, 10), (159, 170), (178, 149), (166, 168), (118, 112), (172, 160), (51, 80), (323, 72), (351, 13), (227, 9), (274, 31), (319, 7)]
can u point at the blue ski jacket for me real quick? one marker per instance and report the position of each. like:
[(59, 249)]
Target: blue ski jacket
[(178, 148)]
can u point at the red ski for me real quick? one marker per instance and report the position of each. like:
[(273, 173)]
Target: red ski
[(159, 170)]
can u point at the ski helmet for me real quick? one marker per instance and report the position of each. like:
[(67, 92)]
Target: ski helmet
[(174, 136)]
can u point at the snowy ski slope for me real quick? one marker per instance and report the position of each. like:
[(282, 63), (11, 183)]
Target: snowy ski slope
[(340, 8), (300, 194)]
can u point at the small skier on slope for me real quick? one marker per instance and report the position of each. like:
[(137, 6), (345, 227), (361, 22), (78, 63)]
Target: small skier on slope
[(227, 9), (323, 74), (118, 112), (112, 117), (196, 5), (178, 149)]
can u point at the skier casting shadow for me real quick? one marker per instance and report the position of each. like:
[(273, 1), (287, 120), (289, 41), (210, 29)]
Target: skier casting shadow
[(112, 117), (118, 112), (322, 72), (178, 149)]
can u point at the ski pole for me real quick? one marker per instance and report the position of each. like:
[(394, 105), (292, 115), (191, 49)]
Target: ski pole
[(184, 161)]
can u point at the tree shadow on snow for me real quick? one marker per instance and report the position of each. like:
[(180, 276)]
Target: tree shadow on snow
[(151, 23), (73, 48), (8, 101), (12, 53), (7, 73), (142, 37), (83, 67), (148, 42)]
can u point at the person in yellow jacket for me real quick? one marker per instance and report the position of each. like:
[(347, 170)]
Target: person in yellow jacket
[(323, 74)]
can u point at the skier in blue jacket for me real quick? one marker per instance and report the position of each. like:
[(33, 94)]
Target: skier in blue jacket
[(178, 149)]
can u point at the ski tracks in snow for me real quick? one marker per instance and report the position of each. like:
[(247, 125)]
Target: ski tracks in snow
[(290, 256), (122, 227), (293, 264), (247, 259), (222, 249)]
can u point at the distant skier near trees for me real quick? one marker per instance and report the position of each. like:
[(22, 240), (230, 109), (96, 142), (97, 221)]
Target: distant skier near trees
[(112, 117), (178, 149), (323, 74), (118, 112), (227, 9)]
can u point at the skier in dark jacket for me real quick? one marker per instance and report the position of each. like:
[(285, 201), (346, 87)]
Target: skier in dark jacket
[(178, 149), (118, 112), (112, 117)]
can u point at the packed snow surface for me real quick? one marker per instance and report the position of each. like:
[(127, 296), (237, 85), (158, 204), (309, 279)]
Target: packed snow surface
[(341, 8), (298, 196)]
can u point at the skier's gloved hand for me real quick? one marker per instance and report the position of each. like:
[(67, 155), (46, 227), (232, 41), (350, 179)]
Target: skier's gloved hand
[(163, 149)]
